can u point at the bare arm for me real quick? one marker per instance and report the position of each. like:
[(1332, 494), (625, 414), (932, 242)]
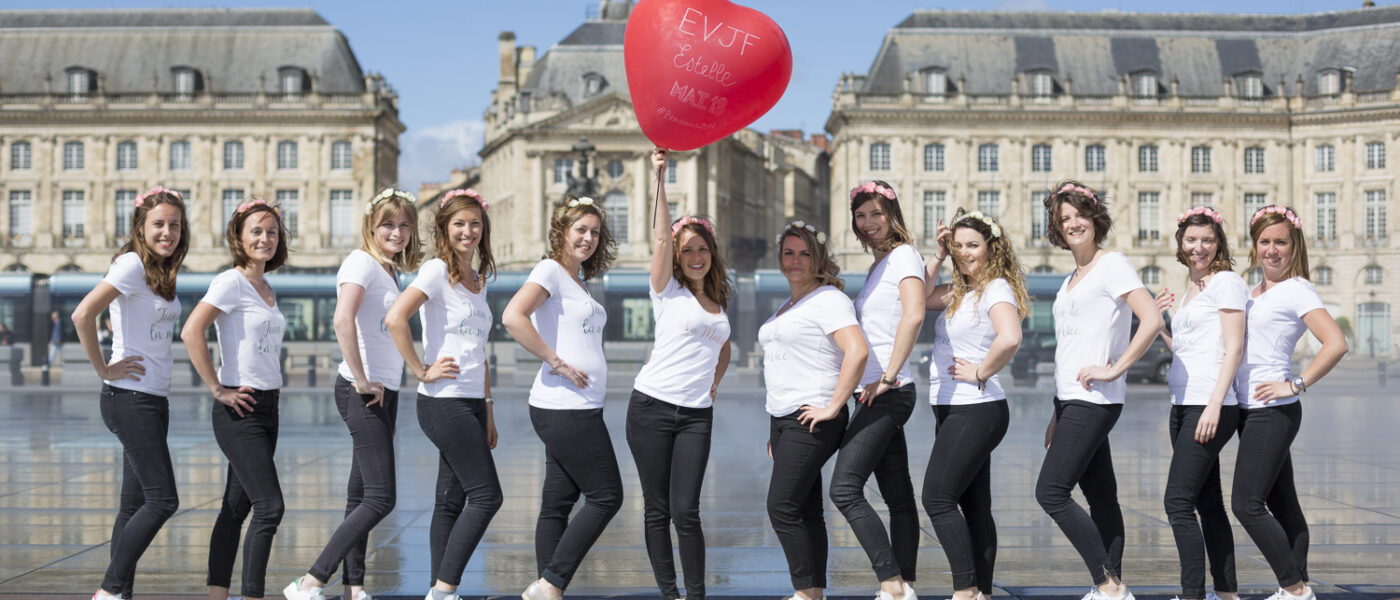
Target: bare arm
[(203, 315), (396, 320), (1149, 324), (491, 435), (720, 368), (1164, 301), (1232, 324), (1007, 325), (662, 248), (85, 322), (347, 305), (516, 318), (911, 320), (1334, 345), (854, 354)]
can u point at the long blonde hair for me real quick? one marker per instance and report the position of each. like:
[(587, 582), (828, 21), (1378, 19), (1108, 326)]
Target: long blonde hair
[(378, 211), (1001, 264)]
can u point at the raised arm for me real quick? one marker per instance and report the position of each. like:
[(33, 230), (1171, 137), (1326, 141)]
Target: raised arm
[(936, 296), (240, 400), (662, 248), (85, 322)]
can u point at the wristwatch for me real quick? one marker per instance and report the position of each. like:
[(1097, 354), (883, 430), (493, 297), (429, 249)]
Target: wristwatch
[(1298, 383)]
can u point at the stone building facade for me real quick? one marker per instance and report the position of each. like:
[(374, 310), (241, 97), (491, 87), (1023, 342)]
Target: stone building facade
[(749, 183), (986, 110), (224, 105)]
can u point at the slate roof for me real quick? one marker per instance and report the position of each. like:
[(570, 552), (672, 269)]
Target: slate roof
[(988, 48), (133, 51), (594, 47)]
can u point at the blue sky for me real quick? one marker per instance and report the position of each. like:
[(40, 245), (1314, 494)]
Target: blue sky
[(442, 56)]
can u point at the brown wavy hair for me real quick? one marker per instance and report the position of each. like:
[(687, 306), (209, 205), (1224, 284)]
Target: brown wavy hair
[(1091, 205), (564, 217), (380, 212), (233, 234), (1222, 261), (456, 271), (827, 272), (1001, 264), (160, 271), (1298, 260), (898, 234), (716, 283)]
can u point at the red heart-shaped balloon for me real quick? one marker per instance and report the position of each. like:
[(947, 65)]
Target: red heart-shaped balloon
[(699, 70)]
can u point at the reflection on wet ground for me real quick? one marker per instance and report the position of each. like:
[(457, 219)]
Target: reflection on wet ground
[(60, 469)]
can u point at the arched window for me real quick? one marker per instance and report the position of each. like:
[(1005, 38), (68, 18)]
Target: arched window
[(1145, 84), (593, 84), (292, 81), (616, 206), (614, 168), (1322, 276)]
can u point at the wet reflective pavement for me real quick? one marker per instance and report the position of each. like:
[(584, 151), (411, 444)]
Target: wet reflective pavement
[(60, 470)]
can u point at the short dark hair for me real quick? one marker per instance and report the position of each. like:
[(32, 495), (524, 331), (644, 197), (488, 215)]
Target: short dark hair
[(1084, 199)]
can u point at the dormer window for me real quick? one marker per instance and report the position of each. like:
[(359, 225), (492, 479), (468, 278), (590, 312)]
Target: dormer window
[(1145, 84), (593, 84), (1250, 86), (935, 81), (1329, 82), (1042, 84), (292, 81), (81, 81), (186, 81)]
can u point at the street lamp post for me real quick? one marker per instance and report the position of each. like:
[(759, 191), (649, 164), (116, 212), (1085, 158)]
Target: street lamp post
[(585, 185)]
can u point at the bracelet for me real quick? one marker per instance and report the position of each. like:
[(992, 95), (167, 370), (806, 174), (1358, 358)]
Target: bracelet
[(487, 399), (977, 374), (890, 382)]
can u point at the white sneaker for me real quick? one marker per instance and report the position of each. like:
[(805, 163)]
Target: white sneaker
[(454, 596), (293, 591), (1283, 594), (909, 592), (103, 595), (365, 596), (1212, 596), (1127, 595)]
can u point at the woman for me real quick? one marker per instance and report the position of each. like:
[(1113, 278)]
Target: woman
[(367, 384), (813, 357), (554, 318), (140, 290), (249, 326), (670, 414), (977, 335), (1093, 316), (1207, 342), (1280, 309), (890, 308), (454, 393)]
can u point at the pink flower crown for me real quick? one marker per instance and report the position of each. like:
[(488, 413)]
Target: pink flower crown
[(255, 202), (1200, 210), (1278, 210), (870, 187), (1070, 187), (683, 221), (469, 192), (141, 198)]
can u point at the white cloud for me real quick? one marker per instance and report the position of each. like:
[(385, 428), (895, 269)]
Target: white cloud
[(429, 153)]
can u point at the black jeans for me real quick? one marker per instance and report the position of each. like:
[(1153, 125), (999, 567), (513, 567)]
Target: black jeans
[(148, 497), (248, 442), (579, 459), (1193, 486), (795, 492), (960, 476), (874, 443), (370, 494), (1264, 498), (468, 490), (1079, 454), (671, 446)]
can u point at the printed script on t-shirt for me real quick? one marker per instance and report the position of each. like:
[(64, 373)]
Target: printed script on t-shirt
[(163, 329)]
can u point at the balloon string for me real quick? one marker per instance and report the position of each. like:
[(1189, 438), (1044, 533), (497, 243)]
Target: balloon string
[(656, 203)]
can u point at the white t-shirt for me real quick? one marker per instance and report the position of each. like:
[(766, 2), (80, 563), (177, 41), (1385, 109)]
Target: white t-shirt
[(571, 322), (689, 339), (1197, 342), (378, 355), (968, 335), (455, 323), (801, 361), (879, 310), (143, 324), (249, 332), (1273, 324), (1092, 325)]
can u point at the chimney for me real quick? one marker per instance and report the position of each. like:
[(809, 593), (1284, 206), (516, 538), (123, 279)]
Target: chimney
[(526, 56), (506, 43), (821, 141)]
